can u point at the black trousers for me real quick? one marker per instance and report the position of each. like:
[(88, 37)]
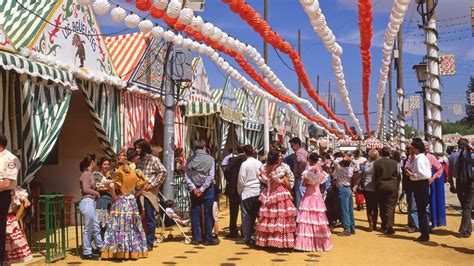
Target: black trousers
[(250, 208), (234, 206), (387, 200), (465, 195), (5, 199), (421, 189), (371, 208)]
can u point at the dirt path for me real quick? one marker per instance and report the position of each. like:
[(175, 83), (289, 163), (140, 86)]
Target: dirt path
[(364, 248)]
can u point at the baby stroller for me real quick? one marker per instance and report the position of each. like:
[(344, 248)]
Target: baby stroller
[(167, 224)]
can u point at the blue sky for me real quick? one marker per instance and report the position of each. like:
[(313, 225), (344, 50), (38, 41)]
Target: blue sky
[(287, 16)]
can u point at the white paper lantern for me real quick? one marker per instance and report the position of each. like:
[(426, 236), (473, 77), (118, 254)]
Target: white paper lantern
[(101, 7), (118, 14), (202, 49), (168, 36), (207, 29), (132, 21), (84, 2), (187, 43), (145, 26), (195, 46), (306, 2), (225, 66), (174, 8), (158, 32), (196, 23), (217, 34), (215, 56), (186, 15), (160, 4), (178, 40)]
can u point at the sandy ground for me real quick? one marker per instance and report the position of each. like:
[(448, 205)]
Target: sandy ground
[(364, 248)]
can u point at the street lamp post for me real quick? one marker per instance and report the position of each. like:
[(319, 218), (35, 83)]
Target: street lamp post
[(421, 76)]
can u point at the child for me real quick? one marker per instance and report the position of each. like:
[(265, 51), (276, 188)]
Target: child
[(313, 233), (169, 204), (16, 247), (215, 214)]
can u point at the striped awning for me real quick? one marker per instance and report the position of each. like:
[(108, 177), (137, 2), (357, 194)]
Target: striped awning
[(201, 109), (126, 51), (250, 125), (23, 65), (217, 95), (23, 19)]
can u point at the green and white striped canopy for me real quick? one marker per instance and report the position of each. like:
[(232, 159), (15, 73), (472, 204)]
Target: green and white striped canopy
[(23, 19), (201, 109), (249, 125), (22, 65)]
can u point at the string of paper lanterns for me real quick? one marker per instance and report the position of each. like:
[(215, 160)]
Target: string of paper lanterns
[(202, 31), (294, 111), (318, 21), (253, 18), (174, 16), (194, 46), (366, 32), (396, 18)]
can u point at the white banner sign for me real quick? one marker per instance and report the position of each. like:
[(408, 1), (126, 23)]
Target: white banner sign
[(74, 38)]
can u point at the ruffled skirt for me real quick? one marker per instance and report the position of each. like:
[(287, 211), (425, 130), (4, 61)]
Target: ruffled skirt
[(277, 216), (16, 247), (313, 233), (124, 237)]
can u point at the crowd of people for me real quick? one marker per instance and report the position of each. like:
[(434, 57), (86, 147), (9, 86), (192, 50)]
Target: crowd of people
[(286, 202)]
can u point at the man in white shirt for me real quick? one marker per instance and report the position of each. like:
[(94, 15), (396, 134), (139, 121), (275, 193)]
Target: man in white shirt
[(9, 168), (248, 187), (420, 173)]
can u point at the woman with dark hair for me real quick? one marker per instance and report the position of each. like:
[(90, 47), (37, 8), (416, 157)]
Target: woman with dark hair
[(313, 233), (277, 215), (103, 178), (124, 236), (87, 207)]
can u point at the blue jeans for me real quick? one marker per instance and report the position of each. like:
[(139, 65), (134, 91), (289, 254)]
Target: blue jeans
[(347, 208), (91, 226), (150, 222), (412, 212), (299, 192), (207, 199)]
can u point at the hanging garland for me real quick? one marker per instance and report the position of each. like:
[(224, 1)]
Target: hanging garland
[(365, 28), (396, 18), (169, 12), (253, 18), (318, 21), (178, 19)]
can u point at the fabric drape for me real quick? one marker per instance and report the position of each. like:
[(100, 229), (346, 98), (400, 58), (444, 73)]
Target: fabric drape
[(103, 102), (139, 117), (43, 111)]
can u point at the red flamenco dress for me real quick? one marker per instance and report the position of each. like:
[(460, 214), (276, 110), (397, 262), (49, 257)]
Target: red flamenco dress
[(277, 216), (16, 247)]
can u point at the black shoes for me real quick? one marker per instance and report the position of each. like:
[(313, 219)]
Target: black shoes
[(232, 235), (344, 233), (422, 239), (90, 257), (214, 242), (196, 243), (390, 231)]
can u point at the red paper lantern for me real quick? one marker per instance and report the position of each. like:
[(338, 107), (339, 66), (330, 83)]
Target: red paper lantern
[(143, 5), (169, 21), (157, 13)]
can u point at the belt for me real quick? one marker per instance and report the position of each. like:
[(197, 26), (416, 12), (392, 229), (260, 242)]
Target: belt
[(88, 197)]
